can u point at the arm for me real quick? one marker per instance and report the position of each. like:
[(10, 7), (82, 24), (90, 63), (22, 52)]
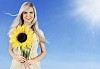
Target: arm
[(10, 50), (43, 53), (14, 56), (39, 57)]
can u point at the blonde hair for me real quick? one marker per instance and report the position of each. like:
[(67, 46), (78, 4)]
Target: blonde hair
[(19, 21)]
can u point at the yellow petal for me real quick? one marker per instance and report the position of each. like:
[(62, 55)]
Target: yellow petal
[(15, 45), (26, 30), (29, 45), (19, 29), (30, 37), (12, 40), (15, 30), (23, 45), (23, 28)]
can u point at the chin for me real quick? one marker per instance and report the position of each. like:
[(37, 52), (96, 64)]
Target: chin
[(28, 21)]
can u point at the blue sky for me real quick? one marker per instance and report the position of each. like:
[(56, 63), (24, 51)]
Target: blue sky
[(72, 43)]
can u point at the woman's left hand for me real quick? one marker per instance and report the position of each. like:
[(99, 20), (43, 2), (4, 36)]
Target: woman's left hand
[(29, 62)]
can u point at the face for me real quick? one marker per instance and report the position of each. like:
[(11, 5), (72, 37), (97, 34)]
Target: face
[(28, 15)]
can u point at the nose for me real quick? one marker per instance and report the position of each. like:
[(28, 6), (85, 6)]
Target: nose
[(28, 15)]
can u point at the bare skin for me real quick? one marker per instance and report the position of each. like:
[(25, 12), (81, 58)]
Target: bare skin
[(27, 63), (28, 16)]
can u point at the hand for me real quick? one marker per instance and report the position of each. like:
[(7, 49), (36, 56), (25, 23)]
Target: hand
[(29, 62), (20, 59)]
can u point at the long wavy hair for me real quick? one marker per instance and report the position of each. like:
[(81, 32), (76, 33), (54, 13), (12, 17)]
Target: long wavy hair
[(34, 26)]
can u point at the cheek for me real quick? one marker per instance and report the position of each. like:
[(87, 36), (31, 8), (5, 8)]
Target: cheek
[(24, 17), (32, 16)]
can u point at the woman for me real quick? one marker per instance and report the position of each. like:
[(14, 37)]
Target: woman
[(27, 16)]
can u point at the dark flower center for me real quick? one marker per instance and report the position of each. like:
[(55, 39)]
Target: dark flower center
[(22, 37)]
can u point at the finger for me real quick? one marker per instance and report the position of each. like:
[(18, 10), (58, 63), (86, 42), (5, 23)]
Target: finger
[(21, 60), (23, 57), (27, 64)]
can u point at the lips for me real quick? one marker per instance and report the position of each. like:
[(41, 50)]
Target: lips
[(28, 18)]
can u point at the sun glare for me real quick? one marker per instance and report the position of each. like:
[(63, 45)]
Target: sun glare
[(90, 9)]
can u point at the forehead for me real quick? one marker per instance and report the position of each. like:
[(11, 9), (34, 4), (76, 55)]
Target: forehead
[(28, 9)]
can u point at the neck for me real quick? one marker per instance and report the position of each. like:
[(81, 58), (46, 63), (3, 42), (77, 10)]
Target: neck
[(27, 24)]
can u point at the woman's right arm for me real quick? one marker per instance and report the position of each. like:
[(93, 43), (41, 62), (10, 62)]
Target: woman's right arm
[(14, 56)]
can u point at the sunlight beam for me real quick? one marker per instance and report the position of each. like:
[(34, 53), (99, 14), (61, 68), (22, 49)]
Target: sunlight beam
[(90, 9)]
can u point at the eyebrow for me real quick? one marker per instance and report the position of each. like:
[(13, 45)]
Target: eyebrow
[(26, 11)]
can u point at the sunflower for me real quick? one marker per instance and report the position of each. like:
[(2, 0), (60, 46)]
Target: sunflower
[(22, 37)]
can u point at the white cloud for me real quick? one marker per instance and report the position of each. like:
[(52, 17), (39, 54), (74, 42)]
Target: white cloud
[(89, 9)]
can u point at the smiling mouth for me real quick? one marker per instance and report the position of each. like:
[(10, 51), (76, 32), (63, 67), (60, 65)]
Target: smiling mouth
[(28, 18)]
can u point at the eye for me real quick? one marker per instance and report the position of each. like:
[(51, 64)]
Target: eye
[(31, 12), (24, 12)]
